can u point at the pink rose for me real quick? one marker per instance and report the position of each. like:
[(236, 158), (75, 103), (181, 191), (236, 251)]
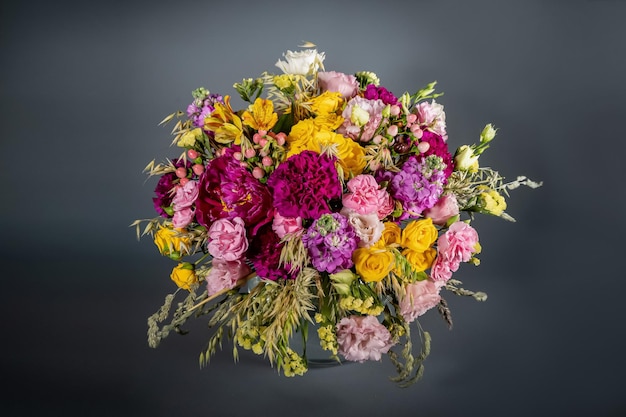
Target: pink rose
[(365, 197), (227, 239), (362, 132), (338, 82), (432, 117), (367, 227), (444, 209), (286, 225), (420, 297), (457, 244), (362, 338), (186, 195), (225, 274), (182, 217)]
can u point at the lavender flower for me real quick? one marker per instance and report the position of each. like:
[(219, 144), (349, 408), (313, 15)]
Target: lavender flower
[(202, 106), (330, 242)]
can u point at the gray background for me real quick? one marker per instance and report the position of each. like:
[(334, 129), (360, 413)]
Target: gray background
[(83, 86)]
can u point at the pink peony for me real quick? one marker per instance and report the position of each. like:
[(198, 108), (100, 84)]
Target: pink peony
[(367, 227), (443, 210), (432, 117), (457, 244), (365, 197), (362, 338), (339, 82), (183, 217), (283, 226), (227, 239), (365, 132), (420, 297), (225, 274)]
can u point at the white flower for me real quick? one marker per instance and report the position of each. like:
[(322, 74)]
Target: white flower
[(305, 62), (465, 159)]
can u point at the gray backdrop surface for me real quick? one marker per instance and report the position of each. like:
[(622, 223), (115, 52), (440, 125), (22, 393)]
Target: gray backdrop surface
[(82, 88)]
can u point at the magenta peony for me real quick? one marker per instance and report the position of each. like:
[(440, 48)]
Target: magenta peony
[(362, 338)]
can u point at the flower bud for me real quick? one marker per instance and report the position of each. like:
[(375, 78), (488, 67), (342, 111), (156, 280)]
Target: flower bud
[(359, 116), (465, 159), (487, 134)]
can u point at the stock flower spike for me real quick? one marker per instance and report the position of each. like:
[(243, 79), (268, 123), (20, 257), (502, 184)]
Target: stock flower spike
[(328, 204)]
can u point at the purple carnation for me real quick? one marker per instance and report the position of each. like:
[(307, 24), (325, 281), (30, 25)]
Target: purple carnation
[(330, 242), (373, 92), (303, 185), (228, 190), (440, 148), (265, 256), (418, 185), (164, 190)]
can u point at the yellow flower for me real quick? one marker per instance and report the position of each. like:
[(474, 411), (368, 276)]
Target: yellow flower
[(351, 155), (419, 235), (171, 243), (373, 263), (392, 234), (326, 103), (301, 137), (420, 261), (184, 275), (284, 81), (465, 159), (491, 201), (189, 138), (225, 123), (262, 116)]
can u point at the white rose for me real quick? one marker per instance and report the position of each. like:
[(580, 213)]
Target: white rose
[(305, 62)]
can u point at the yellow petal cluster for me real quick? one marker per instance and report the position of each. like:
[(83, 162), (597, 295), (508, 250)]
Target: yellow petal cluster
[(261, 116), (225, 123), (172, 242)]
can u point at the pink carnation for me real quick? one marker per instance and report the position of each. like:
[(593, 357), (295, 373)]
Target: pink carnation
[(183, 217), (445, 208), (362, 338), (458, 244), (186, 195), (420, 297), (227, 239), (441, 271), (283, 226), (365, 197), (225, 274), (339, 82)]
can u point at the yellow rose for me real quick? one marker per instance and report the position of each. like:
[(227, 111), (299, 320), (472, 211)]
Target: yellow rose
[(420, 261), (419, 235), (170, 243), (351, 155), (184, 275), (329, 121), (373, 263), (392, 234), (326, 103), (301, 137)]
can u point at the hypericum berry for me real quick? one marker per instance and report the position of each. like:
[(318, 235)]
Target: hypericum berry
[(192, 154), (237, 156), (281, 138), (181, 172), (423, 147), (198, 169), (184, 181), (250, 153), (267, 161), (258, 173)]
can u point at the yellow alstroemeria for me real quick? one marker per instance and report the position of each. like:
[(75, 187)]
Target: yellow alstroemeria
[(225, 123), (261, 116)]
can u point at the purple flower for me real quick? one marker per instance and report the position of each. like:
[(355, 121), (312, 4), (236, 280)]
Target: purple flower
[(303, 185), (202, 106), (227, 190), (330, 242), (418, 185), (373, 92)]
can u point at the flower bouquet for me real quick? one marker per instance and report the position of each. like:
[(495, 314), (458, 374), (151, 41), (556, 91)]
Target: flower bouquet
[(327, 204)]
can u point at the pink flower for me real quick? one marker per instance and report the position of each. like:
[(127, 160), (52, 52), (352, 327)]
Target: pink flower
[(182, 217), (444, 209), (432, 117), (362, 338), (440, 271), (225, 274), (227, 239), (458, 244), (185, 195), (365, 197), (283, 226), (420, 297), (367, 227), (334, 81), (357, 131)]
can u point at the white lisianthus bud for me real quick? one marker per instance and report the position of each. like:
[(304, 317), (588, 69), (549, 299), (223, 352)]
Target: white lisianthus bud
[(305, 62), (359, 116), (487, 134), (465, 159)]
